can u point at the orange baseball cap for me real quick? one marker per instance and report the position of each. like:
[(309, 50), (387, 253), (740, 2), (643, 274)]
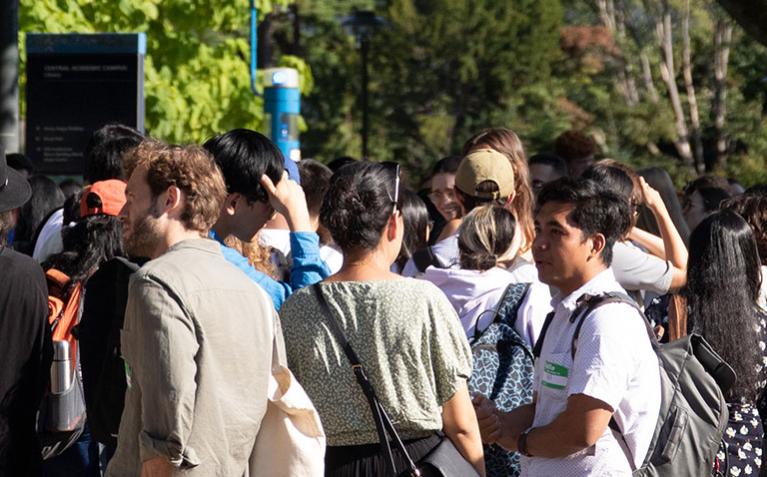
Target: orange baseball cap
[(103, 197)]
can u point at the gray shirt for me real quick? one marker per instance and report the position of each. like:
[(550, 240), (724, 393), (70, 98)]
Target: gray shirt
[(637, 270), (197, 342)]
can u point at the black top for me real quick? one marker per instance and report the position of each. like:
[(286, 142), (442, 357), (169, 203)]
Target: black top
[(26, 352)]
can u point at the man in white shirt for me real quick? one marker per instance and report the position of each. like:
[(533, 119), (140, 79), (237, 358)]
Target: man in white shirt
[(614, 373)]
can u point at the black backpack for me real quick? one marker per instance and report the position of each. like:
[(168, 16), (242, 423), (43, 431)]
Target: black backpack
[(693, 412), (106, 294), (503, 371)]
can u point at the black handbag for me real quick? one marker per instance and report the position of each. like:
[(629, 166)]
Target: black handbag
[(442, 461)]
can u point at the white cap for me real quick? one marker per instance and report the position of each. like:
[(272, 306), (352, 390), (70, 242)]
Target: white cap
[(281, 77)]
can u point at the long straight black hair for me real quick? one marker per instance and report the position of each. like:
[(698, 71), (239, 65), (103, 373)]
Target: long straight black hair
[(723, 279)]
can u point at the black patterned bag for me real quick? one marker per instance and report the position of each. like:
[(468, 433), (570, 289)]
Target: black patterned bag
[(503, 372)]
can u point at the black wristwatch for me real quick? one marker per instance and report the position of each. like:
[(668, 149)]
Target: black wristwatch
[(522, 443)]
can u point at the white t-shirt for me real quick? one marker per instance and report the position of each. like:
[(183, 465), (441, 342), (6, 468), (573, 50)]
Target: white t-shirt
[(614, 363), (332, 257), (49, 241)]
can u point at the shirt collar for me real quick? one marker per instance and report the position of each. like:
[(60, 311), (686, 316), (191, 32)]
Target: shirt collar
[(604, 281)]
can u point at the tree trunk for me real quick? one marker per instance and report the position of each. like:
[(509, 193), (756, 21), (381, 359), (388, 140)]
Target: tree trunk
[(722, 41), (667, 71), (692, 99), (614, 21), (649, 84)]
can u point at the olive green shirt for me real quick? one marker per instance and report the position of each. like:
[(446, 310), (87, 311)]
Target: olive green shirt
[(409, 340)]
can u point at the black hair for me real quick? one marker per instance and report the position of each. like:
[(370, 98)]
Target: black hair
[(753, 209), (712, 197), (596, 210), (758, 189), (340, 162), (315, 180), (617, 181), (89, 243), (46, 197), (552, 160), (358, 204), (243, 157), (446, 165), (660, 180), (105, 150), (723, 279), (415, 216)]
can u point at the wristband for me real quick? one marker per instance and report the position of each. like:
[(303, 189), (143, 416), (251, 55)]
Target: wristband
[(522, 443)]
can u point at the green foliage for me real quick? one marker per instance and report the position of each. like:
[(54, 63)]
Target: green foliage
[(197, 66)]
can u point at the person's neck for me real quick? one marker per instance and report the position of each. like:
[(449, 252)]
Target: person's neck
[(365, 267), (586, 275), (174, 235)]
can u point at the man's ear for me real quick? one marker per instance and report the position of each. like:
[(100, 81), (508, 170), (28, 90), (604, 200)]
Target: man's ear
[(173, 201), (230, 203), (598, 244)]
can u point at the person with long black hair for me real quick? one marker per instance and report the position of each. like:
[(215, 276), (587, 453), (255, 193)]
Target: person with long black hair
[(723, 280), (406, 334)]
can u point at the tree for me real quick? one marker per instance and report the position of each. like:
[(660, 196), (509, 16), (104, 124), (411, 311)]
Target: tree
[(197, 65)]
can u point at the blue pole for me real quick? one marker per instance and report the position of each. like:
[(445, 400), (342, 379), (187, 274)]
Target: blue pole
[(253, 46)]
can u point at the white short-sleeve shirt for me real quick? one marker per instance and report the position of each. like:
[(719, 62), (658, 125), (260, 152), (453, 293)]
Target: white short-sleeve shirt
[(614, 363)]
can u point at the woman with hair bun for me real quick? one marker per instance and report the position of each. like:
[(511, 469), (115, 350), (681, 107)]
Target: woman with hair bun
[(407, 336), (487, 238)]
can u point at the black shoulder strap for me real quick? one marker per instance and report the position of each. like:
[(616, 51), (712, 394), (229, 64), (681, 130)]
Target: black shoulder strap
[(539, 342), (424, 258), (587, 304), (380, 417)]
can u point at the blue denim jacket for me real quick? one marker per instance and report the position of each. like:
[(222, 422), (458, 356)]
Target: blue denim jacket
[(308, 268)]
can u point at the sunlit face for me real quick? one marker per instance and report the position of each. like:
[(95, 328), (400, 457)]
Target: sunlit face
[(142, 229), (443, 195), (559, 249)]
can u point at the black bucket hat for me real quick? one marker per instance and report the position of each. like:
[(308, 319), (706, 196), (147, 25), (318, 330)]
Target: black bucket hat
[(14, 189)]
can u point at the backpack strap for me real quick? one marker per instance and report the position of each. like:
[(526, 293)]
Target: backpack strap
[(539, 343), (508, 306), (424, 258)]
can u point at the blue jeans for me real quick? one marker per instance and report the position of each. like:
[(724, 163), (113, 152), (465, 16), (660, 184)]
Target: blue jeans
[(80, 460)]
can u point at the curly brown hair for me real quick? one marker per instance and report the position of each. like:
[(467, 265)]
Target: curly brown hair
[(753, 208), (191, 169), (508, 143)]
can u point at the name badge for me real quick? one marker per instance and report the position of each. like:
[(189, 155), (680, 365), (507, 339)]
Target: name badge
[(554, 375)]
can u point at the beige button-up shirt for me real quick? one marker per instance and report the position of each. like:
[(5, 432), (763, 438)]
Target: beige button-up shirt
[(197, 343)]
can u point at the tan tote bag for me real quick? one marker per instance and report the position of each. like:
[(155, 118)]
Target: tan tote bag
[(290, 441)]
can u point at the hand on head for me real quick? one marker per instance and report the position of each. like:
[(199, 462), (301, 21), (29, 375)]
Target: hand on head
[(287, 198)]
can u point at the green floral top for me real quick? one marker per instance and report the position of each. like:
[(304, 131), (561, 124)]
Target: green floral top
[(409, 340)]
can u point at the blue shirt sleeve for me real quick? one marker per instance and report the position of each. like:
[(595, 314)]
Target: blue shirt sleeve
[(308, 268)]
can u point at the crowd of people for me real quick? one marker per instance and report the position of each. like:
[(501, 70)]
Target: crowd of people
[(148, 315)]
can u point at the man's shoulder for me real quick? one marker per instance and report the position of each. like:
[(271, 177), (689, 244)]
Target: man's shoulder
[(18, 266)]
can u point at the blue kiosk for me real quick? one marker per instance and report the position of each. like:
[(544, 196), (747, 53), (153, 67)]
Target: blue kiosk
[(282, 106)]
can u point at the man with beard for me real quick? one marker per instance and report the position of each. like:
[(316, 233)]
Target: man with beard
[(198, 335)]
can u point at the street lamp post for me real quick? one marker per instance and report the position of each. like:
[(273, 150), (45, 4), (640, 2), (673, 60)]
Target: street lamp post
[(362, 25)]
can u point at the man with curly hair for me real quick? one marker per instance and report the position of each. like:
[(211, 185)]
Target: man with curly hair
[(198, 336)]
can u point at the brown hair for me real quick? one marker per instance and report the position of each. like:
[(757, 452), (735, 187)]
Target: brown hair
[(507, 143), (191, 169), (486, 236)]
